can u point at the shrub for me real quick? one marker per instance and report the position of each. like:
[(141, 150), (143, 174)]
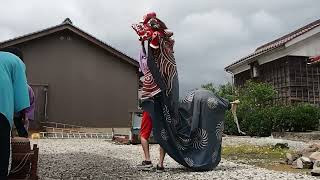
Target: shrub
[(304, 117), (259, 117)]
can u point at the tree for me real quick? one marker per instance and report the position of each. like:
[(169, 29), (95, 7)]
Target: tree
[(227, 91), (209, 86), (254, 112), (257, 94)]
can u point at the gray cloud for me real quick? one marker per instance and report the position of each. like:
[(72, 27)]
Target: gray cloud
[(209, 34)]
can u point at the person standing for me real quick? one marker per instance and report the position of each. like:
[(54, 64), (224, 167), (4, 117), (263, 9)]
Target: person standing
[(14, 98), (145, 132), (149, 90), (22, 119)]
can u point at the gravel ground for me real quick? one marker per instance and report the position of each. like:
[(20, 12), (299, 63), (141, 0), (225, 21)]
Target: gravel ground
[(100, 159)]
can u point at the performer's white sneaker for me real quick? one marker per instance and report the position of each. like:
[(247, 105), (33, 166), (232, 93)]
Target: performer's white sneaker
[(145, 166), (159, 169)]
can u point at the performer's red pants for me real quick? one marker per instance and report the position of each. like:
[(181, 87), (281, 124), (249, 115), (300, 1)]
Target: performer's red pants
[(146, 125)]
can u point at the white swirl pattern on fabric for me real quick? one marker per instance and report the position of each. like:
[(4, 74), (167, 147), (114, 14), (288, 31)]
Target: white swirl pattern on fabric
[(219, 130), (199, 138), (214, 156), (186, 140), (164, 134), (180, 146), (183, 143), (167, 114), (189, 97), (212, 102), (189, 161)]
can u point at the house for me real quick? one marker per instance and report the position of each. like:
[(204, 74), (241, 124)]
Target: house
[(78, 79), (289, 63)]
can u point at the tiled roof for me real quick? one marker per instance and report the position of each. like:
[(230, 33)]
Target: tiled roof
[(278, 42), (313, 60)]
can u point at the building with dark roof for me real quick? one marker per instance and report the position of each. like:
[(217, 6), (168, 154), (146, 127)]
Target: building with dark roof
[(289, 63), (77, 78)]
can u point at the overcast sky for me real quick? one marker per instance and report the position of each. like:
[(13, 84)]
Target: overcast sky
[(209, 34)]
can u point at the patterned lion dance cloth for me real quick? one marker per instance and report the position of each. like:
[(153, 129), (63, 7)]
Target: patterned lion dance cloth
[(190, 130)]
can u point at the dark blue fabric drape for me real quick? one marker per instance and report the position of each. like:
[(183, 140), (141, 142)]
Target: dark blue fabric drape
[(189, 130)]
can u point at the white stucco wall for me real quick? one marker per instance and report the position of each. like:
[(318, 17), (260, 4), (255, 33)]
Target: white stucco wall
[(307, 47)]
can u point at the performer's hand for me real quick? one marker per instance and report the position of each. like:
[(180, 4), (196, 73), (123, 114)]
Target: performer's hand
[(235, 102)]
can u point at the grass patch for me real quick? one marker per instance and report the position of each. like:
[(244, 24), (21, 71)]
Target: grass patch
[(254, 152), (262, 156)]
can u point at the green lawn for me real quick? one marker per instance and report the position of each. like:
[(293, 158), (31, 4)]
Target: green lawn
[(262, 156)]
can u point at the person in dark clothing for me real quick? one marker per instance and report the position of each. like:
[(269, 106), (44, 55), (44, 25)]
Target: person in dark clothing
[(5, 130)]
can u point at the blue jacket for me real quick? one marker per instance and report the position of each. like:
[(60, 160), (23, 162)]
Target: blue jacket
[(14, 95)]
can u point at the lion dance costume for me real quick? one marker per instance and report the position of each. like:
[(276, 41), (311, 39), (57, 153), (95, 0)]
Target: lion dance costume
[(189, 130)]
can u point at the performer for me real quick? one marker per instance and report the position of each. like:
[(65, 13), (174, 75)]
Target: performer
[(149, 90), (22, 119), (29, 112), (14, 98), (145, 131), (190, 131)]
